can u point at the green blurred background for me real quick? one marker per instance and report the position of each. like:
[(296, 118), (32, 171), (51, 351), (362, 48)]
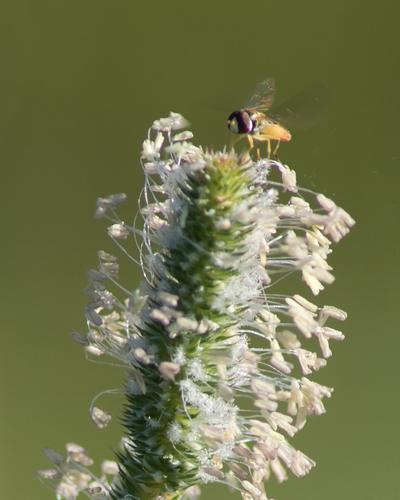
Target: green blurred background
[(81, 81)]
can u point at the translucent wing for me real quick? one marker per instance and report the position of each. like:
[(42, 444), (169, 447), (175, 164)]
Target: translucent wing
[(303, 110), (263, 96)]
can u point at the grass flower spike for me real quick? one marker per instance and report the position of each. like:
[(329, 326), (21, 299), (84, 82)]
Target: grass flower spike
[(218, 355)]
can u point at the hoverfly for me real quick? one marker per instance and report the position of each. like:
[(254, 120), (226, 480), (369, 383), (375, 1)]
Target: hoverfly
[(256, 123), (253, 122)]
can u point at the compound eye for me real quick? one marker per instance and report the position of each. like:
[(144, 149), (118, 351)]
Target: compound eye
[(233, 125)]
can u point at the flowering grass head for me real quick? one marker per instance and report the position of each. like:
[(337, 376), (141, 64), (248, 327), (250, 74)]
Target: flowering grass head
[(218, 354)]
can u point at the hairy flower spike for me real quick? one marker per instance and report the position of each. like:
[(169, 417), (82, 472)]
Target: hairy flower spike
[(210, 327)]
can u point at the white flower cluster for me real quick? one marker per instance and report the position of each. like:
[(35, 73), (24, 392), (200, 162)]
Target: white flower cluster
[(240, 364), (70, 475), (286, 233)]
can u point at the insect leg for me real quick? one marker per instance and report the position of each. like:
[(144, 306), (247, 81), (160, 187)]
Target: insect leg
[(269, 148), (251, 142), (276, 147)]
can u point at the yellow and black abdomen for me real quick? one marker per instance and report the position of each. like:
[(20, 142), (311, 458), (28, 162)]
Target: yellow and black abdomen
[(273, 131)]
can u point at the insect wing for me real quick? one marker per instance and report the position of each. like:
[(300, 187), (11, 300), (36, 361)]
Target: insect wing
[(303, 110), (263, 96)]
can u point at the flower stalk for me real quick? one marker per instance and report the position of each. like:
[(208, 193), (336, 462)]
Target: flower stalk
[(217, 353)]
